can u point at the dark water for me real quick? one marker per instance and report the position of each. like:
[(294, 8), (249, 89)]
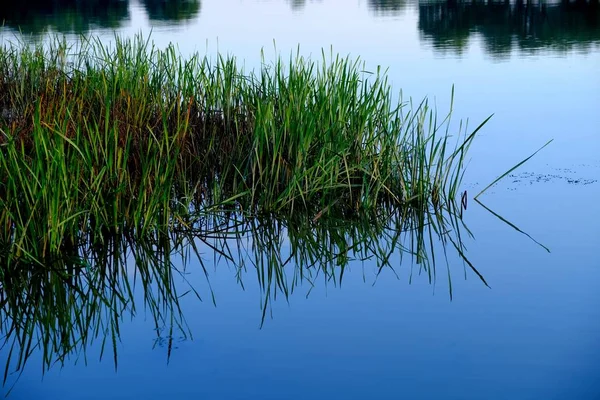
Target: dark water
[(535, 334)]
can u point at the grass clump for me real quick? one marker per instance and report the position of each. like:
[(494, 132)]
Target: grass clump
[(99, 140), (110, 152)]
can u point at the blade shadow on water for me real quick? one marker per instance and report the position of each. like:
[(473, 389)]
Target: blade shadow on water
[(507, 222)]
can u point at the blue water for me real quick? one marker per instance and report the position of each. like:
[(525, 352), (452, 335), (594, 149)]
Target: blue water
[(534, 334)]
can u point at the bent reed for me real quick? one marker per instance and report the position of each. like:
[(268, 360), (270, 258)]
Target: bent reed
[(97, 139)]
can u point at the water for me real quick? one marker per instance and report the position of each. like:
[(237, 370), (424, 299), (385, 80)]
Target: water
[(534, 335)]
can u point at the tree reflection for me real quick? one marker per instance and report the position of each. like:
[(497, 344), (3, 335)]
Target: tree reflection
[(448, 25), (386, 7), (504, 26), (172, 10), (82, 16), (65, 16), (297, 4)]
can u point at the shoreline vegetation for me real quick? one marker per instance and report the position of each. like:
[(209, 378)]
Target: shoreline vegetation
[(127, 156)]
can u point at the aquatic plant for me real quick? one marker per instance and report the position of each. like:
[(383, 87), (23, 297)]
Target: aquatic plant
[(105, 139), (125, 154)]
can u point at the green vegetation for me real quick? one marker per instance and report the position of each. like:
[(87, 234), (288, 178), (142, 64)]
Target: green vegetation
[(122, 156), (104, 141)]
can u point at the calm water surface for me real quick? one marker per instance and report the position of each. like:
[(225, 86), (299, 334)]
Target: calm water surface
[(535, 334)]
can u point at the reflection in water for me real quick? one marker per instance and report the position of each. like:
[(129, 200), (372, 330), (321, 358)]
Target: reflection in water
[(62, 306), (297, 5), (172, 11), (505, 25), (75, 16), (447, 25), (65, 16), (387, 7)]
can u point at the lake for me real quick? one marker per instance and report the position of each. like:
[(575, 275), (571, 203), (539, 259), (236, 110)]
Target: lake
[(534, 333)]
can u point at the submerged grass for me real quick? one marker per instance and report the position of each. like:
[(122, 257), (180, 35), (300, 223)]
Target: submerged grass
[(103, 139)]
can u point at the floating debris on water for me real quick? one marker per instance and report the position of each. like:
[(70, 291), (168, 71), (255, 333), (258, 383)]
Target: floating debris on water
[(566, 175)]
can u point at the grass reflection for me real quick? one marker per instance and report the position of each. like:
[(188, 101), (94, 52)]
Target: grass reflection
[(60, 306)]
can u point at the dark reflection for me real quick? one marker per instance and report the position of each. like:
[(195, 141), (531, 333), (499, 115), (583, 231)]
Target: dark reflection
[(65, 16), (172, 10), (504, 26), (61, 306), (297, 4), (387, 7), (81, 16)]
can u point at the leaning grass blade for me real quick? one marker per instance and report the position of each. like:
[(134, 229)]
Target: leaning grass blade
[(512, 169)]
